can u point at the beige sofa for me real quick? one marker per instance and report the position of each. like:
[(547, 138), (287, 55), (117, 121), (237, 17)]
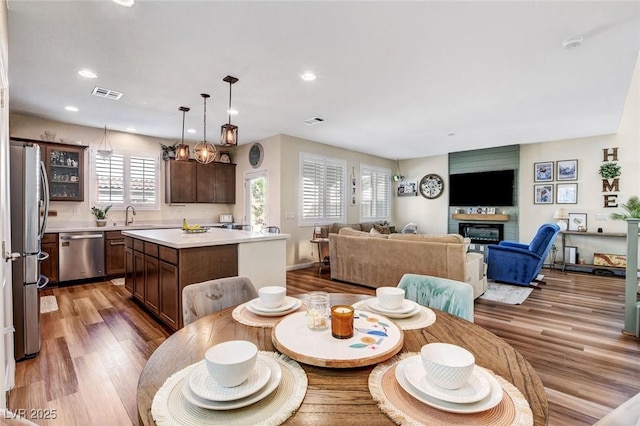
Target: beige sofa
[(376, 260)]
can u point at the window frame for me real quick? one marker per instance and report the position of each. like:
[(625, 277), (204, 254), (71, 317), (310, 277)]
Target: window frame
[(323, 218), (380, 174), (127, 154)]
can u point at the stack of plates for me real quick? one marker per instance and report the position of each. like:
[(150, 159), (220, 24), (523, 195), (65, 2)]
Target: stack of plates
[(201, 390), (408, 308), (290, 304), (482, 392)]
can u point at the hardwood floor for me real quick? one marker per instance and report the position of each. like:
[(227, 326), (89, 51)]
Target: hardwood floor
[(95, 345)]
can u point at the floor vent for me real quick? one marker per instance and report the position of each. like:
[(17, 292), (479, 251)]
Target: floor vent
[(106, 93), (314, 120)]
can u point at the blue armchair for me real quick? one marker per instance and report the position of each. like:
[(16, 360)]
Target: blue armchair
[(516, 263)]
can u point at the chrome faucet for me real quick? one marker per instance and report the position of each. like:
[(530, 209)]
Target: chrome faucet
[(126, 219)]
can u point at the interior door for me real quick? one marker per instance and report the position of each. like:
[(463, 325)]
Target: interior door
[(7, 361), (255, 189)]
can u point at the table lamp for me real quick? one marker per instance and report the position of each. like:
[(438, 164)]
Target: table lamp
[(563, 218)]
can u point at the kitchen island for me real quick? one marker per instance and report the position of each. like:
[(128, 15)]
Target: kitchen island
[(159, 263)]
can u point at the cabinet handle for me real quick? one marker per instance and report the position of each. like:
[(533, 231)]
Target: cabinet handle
[(116, 243)]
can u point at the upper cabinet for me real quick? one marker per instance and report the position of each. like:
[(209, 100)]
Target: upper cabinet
[(193, 182), (65, 169)]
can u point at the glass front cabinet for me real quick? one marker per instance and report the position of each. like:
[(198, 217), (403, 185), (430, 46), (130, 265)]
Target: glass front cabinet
[(65, 168)]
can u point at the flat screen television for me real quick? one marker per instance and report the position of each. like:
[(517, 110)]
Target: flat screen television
[(489, 189)]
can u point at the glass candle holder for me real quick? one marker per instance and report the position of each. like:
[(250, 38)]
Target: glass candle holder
[(318, 310), (342, 321)]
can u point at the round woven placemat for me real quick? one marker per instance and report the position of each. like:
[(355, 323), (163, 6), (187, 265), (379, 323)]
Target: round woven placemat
[(242, 315), (171, 408), (404, 409), (422, 319)]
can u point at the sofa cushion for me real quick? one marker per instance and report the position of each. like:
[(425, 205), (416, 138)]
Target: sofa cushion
[(335, 228), (353, 233), (366, 227), (382, 229), (435, 238)]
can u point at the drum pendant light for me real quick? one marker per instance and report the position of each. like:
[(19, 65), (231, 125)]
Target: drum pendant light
[(182, 150), (204, 151), (229, 132)]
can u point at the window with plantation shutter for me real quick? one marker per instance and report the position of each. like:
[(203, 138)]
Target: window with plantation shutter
[(322, 189), (126, 178), (375, 193)]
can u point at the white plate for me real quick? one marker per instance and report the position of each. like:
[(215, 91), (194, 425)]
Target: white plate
[(272, 384), (486, 403), (253, 310), (406, 307), (289, 302), (477, 388), (204, 386)]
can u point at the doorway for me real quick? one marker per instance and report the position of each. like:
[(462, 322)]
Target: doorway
[(255, 189)]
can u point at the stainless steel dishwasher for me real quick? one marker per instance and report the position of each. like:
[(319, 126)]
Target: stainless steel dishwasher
[(81, 255)]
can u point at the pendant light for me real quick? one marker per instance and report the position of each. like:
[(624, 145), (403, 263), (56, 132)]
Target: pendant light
[(105, 149), (229, 132), (397, 176), (205, 152), (182, 150)]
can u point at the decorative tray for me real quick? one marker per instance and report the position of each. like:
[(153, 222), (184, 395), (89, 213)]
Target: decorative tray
[(376, 338), (197, 230)]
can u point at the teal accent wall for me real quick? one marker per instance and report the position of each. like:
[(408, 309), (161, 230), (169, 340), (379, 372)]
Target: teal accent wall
[(486, 160)]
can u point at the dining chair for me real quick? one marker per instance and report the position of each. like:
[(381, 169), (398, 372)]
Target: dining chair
[(204, 298), (454, 297), (272, 230)]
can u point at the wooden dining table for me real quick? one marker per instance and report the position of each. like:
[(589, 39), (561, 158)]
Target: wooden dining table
[(338, 395)]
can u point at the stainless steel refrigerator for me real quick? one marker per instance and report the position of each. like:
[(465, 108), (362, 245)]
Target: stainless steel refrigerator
[(29, 197)]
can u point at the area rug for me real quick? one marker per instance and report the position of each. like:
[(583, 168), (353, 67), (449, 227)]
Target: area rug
[(117, 281), (505, 293), (48, 304)]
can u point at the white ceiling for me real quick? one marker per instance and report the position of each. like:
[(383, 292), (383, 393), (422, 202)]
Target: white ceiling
[(394, 78)]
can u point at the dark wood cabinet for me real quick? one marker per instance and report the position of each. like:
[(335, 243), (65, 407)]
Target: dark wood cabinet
[(128, 262), (138, 275), (114, 253), (151, 283), (49, 267), (192, 182), (169, 297)]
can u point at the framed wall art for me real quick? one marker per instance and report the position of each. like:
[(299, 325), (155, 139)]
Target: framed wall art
[(407, 189), (577, 222), (542, 194), (566, 193), (567, 170), (570, 254), (543, 172)]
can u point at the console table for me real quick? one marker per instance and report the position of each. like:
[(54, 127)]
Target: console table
[(589, 234)]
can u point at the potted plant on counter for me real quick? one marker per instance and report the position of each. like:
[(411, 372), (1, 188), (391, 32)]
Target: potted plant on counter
[(100, 214)]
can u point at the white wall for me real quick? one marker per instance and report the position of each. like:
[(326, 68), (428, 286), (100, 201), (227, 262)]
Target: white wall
[(23, 126)]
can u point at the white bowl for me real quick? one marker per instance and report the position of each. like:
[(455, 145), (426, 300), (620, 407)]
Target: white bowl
[(446, 365), (390, 297), (230, 363), (272, 296)]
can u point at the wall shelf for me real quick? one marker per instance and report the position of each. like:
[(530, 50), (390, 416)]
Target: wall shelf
[(483, 217)]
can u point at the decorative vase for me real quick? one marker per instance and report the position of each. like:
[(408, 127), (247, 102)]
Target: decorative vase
[(101, 222)]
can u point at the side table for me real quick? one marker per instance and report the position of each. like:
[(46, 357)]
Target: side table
[(319, 242)]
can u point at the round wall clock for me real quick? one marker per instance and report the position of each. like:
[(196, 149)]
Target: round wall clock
[(256, 154), (431, 186)]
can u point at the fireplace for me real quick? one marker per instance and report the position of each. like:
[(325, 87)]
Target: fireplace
[(482, 233)]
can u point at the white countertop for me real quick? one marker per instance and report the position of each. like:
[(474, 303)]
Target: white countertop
[(214, 237), (80, 227)]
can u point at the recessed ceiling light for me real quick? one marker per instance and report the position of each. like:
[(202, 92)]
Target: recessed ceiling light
[(130, 129), (71, 108), (125, 3), (308, 76), (87, 73), (572, 42), (232, 111), (191, 130)]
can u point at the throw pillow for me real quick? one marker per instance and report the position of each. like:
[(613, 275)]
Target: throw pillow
[(382, 229), (374, 231)]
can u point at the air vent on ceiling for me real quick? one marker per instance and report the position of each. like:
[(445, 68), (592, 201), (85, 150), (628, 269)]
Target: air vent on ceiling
[(106, 93), (314, 120)]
